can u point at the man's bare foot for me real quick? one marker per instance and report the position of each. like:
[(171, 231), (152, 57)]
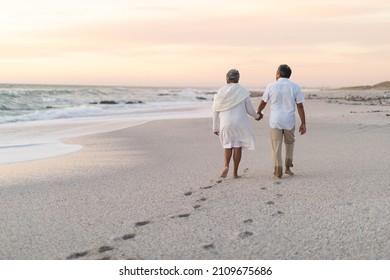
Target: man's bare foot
[(237, 177), (289, 172), (277, 177), (224, 172)]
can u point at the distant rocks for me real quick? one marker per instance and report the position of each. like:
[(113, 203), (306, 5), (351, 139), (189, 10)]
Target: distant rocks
[(256, 93), (134, 102), (3, 107), (252, 94), (210, 92), (113, 102), (108, 102), (166, 94), (312, 96), (382, 85), (360, 100), (370, 100)]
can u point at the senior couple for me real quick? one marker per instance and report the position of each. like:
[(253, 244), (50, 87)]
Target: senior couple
[(232, 105)]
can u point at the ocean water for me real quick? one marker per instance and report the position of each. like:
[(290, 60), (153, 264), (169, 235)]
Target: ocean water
[(35, 119), (20, 103)]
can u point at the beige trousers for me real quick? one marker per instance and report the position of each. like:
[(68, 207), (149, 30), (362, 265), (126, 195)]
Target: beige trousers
[(277, 137)]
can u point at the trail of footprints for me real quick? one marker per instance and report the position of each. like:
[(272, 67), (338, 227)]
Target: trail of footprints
[(103, 252)]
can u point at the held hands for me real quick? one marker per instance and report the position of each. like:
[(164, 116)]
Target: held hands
[(260, 116), (216, 133)]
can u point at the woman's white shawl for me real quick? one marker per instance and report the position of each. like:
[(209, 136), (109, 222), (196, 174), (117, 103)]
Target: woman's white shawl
[(229, 96)]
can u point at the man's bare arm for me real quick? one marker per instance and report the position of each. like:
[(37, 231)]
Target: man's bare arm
[(301, 113), (261, 107)]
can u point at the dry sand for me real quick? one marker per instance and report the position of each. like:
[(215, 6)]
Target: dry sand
[(153, 192)]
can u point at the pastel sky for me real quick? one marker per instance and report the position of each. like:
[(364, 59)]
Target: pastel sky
[(327, 43)]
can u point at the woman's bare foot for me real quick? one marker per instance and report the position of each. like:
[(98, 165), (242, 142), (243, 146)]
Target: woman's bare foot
[(224, 172)]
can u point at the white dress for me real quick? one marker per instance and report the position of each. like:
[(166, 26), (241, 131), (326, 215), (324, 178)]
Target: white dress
[(234, 127)]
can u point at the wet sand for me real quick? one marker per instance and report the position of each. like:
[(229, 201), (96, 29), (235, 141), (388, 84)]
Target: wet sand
[(152, 192)]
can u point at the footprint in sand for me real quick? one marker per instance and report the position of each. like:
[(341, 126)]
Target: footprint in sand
[(197, 206), (278, 213), (270, 202), (92, 253), (128, 236), (140, 224), (100, 250), (181, 216), (199, 201), (77, 255), (103, 249), (245, 234), (208, 246)]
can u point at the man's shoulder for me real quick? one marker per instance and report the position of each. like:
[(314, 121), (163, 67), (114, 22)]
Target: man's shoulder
[(291, 83), (270, 86)]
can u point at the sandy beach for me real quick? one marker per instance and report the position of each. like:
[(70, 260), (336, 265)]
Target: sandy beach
[(152, 191)]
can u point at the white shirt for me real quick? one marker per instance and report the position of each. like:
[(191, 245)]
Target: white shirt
[(283, 95)]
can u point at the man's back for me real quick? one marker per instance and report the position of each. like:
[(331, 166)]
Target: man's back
[(282, 96)]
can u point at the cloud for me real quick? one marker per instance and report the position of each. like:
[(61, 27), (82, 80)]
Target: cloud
[(193, 38)]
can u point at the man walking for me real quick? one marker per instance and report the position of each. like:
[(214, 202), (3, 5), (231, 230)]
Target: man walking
[(283, 95)]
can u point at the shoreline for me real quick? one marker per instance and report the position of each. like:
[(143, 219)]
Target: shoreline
[(34, 140), (152, 192)]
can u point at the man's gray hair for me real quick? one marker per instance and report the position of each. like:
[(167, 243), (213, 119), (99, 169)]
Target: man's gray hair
[(284, 70)]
